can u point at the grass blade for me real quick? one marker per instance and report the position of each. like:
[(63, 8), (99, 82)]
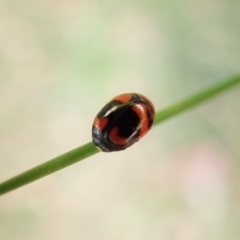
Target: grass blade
[(49, 167), (195, 100), (89, 149)]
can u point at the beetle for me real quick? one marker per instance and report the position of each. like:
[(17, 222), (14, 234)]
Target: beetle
[(122, 122)]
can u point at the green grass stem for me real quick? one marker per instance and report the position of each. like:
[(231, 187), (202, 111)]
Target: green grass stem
[(49, 167), (89, 149), (195, 100)]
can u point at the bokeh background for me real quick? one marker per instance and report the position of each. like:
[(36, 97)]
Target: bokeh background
[(61, 61)]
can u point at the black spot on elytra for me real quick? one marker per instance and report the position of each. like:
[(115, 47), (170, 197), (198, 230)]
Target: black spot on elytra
[(127, 122)]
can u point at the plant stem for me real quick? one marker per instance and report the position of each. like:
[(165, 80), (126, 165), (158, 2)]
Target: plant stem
[(49, 167), (195, 100), (89, 149)]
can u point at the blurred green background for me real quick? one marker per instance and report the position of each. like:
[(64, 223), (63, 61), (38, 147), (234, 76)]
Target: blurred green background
[(61, 61)]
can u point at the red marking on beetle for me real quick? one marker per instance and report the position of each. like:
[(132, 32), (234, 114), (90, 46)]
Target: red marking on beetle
[(100, 124), (148, 101), (124, 98), (142, 110), (115, 137)]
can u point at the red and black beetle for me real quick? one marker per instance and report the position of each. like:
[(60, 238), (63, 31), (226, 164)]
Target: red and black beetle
[(122, 122)]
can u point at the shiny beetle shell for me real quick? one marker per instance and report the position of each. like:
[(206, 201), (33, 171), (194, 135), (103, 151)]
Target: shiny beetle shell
[(122, 122)]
